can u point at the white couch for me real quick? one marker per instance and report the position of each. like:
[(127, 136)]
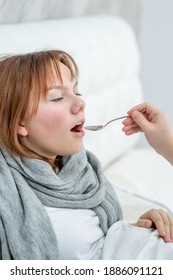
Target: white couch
[(107, 54)]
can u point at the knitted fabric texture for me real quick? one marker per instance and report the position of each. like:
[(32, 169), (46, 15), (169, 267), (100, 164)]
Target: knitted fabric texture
[(27, 185)]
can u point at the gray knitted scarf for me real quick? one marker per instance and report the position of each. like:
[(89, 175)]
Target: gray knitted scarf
[(27, 185)]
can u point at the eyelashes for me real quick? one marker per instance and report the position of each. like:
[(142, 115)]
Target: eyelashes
[(61, 98), (57, 99)]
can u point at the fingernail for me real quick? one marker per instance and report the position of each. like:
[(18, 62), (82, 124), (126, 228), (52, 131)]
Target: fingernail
[(135, 114), (168, 239)]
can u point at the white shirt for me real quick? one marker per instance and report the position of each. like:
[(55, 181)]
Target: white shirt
[(78, 233)]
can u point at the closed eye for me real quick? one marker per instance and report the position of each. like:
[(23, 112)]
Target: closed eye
[(57, 99), (78, 94)]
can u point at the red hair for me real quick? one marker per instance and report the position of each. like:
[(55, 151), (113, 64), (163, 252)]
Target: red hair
[(23, 79)]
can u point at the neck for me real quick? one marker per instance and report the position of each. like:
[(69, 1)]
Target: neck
[(56, 163)]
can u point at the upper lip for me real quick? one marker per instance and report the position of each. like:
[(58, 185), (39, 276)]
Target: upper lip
[(80, 122)]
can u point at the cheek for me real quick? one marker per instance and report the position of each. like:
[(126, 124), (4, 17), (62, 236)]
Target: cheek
[(53, 119), (47, 120), (58, 119)]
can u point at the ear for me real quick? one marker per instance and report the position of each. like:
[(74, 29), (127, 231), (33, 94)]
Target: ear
[(22, 131)]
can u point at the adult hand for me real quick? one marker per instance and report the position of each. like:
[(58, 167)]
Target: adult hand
[(156, 126)]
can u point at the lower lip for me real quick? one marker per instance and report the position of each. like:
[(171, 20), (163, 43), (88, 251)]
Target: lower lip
[(79, 133)]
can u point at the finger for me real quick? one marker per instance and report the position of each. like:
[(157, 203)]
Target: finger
[(130, 126), (149, 109), (168, 223), (155, 216), (136, 120), (139, 107), (165, 220), (128, 121), (132, 130), (159, 223), (165, 225), (171, 227), (147, 223), (140, 119)]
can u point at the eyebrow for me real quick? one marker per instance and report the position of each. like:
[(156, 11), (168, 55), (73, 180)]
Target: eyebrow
[(60, 86)]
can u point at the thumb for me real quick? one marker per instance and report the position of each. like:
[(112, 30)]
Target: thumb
[(147, 223), (140, 119)]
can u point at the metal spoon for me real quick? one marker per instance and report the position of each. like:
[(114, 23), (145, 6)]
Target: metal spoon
[(99, 127)]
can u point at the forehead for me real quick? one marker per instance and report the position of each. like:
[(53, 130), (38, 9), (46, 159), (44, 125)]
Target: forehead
[(62, 77), (60, 71)]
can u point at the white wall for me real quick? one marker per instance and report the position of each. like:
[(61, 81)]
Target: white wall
[(156, 43)]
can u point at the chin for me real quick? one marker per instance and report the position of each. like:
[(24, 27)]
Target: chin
[(73, 151)]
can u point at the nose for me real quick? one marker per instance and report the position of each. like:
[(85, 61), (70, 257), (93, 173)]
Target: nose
[(78, 105)]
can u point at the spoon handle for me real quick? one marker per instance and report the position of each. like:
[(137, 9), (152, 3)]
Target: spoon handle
[(116, 119)]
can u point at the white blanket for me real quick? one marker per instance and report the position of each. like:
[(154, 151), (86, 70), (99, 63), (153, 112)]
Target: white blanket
[(127, 242)]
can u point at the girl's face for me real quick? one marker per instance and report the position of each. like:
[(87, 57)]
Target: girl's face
[(57, 127)]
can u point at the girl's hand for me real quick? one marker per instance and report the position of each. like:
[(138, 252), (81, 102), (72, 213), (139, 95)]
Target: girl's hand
[(159, 219)]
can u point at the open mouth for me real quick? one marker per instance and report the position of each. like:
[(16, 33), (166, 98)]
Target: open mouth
[(78, 127)]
